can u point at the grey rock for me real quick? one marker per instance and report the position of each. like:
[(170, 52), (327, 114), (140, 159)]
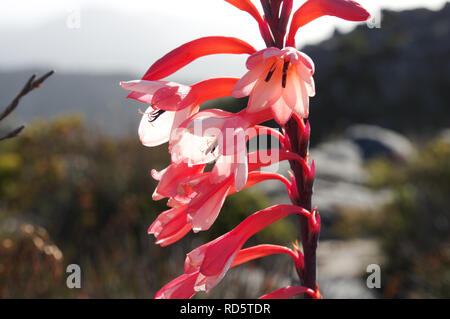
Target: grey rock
[(331, 197), (444, 135), (375, 141), (342, 267), (339, 160)]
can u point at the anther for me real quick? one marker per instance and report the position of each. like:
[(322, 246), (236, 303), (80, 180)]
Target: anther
[(285, 68), (269, 75), (155, 115)]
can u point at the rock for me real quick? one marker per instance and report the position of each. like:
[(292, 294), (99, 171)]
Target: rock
[(342, 267), (339, 160), (444, 135), (375, 141), (334, 197)]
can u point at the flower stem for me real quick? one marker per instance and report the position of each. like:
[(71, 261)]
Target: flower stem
[(298, 136)]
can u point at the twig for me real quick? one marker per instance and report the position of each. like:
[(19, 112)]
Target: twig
[(13, 133), (31, 84)]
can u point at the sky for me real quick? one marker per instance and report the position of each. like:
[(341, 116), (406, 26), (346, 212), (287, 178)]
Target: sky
[(151, 29)]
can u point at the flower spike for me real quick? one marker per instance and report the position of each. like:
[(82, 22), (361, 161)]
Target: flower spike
[(188, 52), (278, 84)]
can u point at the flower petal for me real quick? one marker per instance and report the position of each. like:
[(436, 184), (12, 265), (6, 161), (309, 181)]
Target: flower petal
[(247, 82), (188, 52), (170, 226), (265, 92), (155, 132), (313, 9), (171, 178), (181, 287), (213, 89), (241, 170), (261, 56), (281, 111), (204, 208), (172, 98), (259, 251), (143, 91), (248, 6)]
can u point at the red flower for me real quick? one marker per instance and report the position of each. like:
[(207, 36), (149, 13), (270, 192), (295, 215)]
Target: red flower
[(213, 259), (280, 81), (184, 286)]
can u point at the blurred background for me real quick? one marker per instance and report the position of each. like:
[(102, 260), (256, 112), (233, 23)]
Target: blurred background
[(75, 186)]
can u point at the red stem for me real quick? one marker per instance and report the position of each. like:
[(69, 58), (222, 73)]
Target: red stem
[(298, 138), (297, 141)]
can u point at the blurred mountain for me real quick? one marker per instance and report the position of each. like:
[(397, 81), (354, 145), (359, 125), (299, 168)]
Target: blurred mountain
[(98, 98), (396, 76)]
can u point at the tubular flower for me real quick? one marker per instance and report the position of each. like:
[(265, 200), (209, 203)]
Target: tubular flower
[(184, 286), (171, 104), (279, 83), (279, 80), (171, 181), (170, 226), (200, 195), (213, 259)]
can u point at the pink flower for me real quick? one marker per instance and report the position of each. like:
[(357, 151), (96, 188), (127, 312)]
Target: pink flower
[(213, 259), (171, 104), (183, 287), (278, 80), (170, 226), (208, 134), (203, 209), (202, 194), (172, 182), (220, 136)]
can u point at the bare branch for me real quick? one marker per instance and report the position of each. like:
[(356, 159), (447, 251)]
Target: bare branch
[(31, 84), (13, 133)]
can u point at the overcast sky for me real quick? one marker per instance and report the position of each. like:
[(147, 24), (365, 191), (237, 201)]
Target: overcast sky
[(167, 23)]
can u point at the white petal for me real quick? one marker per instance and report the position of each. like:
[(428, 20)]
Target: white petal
[(157, 132)]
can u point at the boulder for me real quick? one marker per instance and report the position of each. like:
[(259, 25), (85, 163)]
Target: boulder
[(444, 135), (339, 160), (375, 141)]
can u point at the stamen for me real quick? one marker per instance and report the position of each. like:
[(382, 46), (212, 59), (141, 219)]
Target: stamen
[(285, 68), (212, 148), (155, 115), (269, 75)]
